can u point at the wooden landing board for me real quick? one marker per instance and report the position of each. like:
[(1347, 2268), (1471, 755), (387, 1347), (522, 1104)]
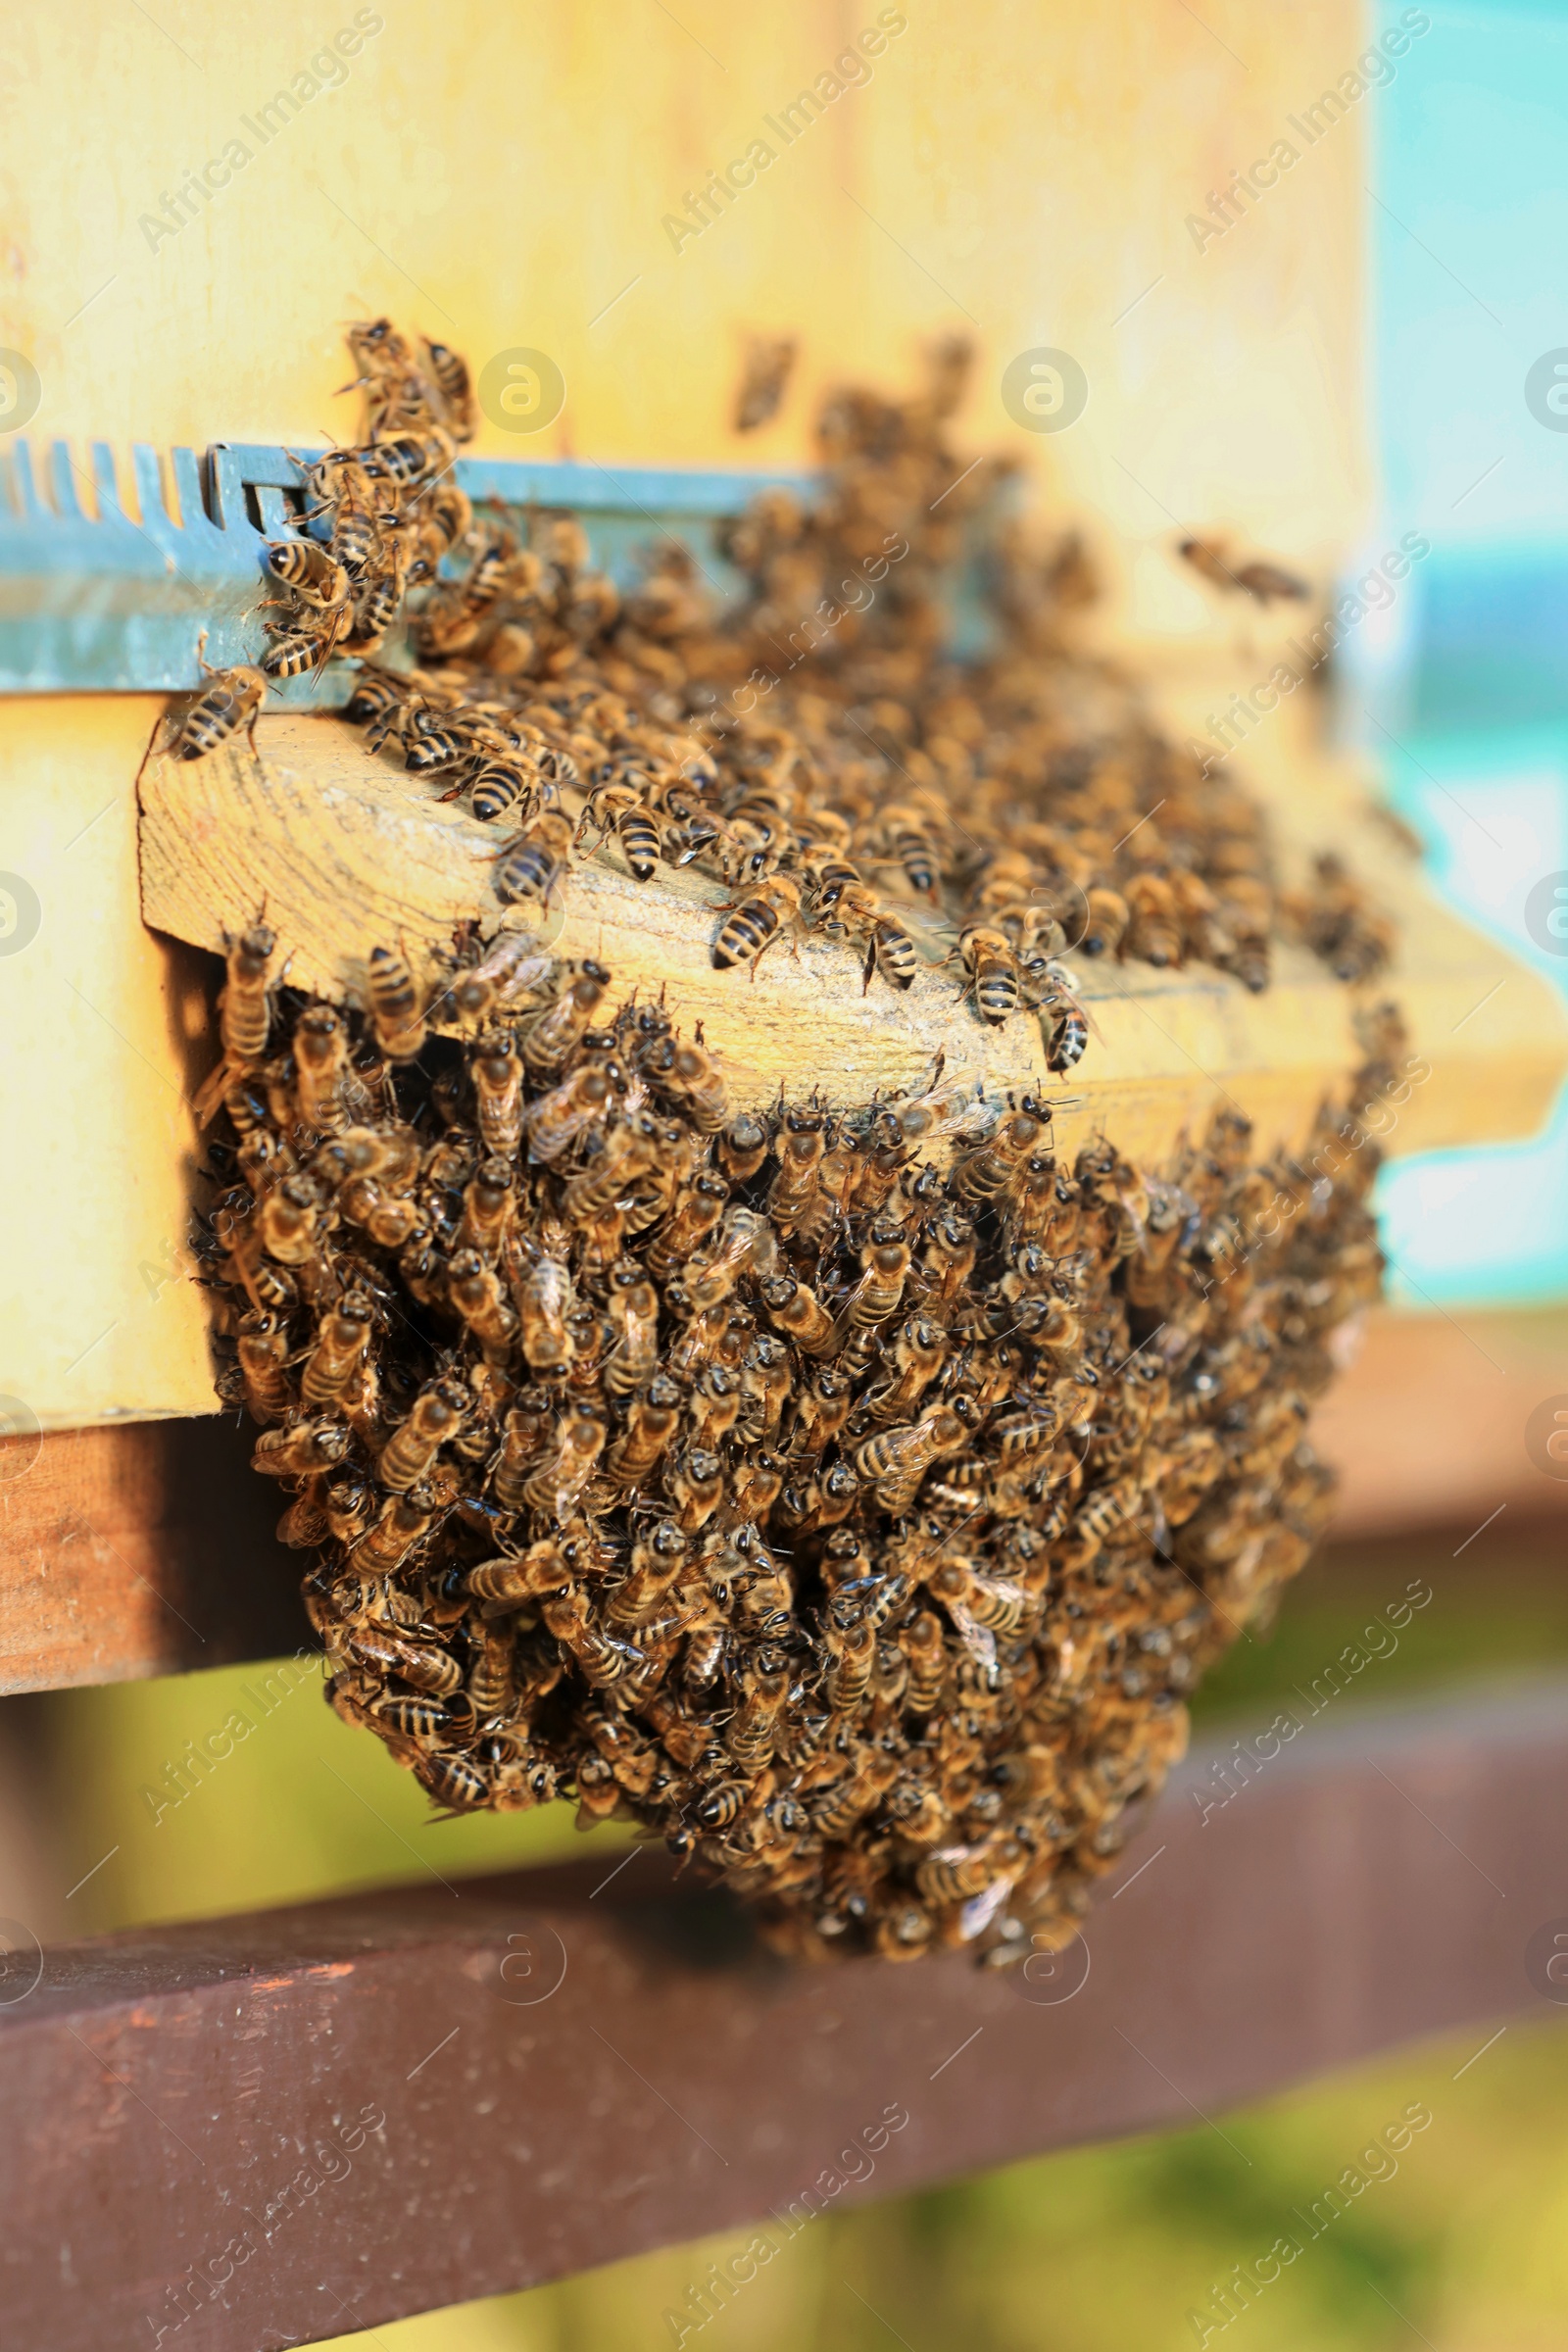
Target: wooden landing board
[(508, 2079), (348, 852)]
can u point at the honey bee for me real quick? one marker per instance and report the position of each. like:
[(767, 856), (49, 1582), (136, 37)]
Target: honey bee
[(308, 570), (558, 1032), (633, 1308), (901, 833), (394, 1005), (1257, 576), (262, 1350), (439, 1413), (983, 1173), (885, 1260), (320, 1063), (244, 1008), (768, 362), (1066, 1022), (233, 700), (1108, 916), (992, 972), (497, 1073), (695, 1484), (618, 806), (743, 1146), (755, 922), (449, 372), (294, 652), (557, 1119), (690, 1074), (797, 1309), (302, 1451), (404, 1521), (335, 1360), (1153, 931), (652, 1420), (896, 1459), (890, 950), (474, 1290), (530, 870), (544, 1306), (555, 1484)]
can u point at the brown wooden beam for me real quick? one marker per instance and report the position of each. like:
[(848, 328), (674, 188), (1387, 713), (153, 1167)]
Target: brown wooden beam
[(141, 1550), (282, 2128)]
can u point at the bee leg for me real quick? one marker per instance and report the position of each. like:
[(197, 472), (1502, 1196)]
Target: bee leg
[(870, 967)]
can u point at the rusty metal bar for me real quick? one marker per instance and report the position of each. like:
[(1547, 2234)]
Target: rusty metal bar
[(282, 2128)]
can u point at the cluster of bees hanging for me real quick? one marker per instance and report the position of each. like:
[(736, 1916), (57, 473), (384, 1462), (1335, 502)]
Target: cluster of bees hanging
[(849, 1497), (851, 1500)]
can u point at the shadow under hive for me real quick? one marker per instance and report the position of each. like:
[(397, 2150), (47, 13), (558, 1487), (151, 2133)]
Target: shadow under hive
[(850, 1498)]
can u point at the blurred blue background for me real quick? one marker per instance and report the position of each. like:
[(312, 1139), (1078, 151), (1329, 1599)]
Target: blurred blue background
[(1461, 689)]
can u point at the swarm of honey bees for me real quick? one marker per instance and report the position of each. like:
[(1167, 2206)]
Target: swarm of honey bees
[(810, 746), (850, 1498)]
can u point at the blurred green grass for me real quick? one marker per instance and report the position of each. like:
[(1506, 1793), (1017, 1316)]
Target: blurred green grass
[(1091, 2251)]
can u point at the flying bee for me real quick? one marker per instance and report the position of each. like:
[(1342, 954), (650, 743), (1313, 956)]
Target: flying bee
[(768, 362), (394, 1005), (531, 867), (755, 922), (559, 1031), (1257, 576), (449, 372), (620, 808), (308, 570), (230, 701)]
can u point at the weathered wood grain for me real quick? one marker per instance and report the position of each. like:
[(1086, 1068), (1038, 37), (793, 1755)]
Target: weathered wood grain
[(347, 853), (507, 2079)]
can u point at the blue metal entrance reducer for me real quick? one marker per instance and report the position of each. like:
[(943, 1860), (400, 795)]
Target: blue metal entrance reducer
[(93, 600)]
